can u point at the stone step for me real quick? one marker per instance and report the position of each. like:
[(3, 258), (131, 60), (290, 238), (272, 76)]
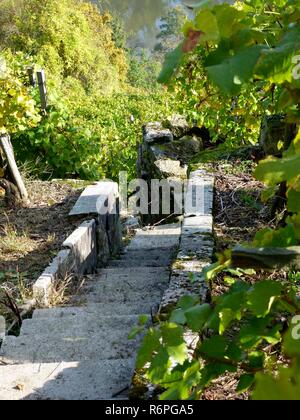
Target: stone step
[(101, 309), (141, 263), (161, 257), (119, 280), (166, 236), (117, 274), (135, 299), (79, 324), (68, 346), (88, 380)]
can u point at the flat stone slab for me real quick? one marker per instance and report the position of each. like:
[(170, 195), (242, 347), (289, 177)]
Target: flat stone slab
[(94, 197), (161, 237), (78, 324), (155, 133), (88, 380), (199, 194), (127, 297), (101, 309), (68, 347), (131, 263)]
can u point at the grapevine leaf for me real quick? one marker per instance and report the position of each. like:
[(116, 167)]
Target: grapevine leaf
[(291, 343), (281, 388), (173, 340), (246, 381), (171, 64), (150, 344), (198, 316), (273, 171), (262, 296), (230, 75)]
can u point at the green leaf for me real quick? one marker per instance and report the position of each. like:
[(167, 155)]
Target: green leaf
[(281, 238), (172, 62), (291, 342), (151, 343), (173, 340), (178, 317), (256, 360), (258, 330), (230, 75), (226, 318), (214, 347), (281, 388), (187, 302), (293, 200), (143, 319), (135, 332), (198, 316), (206, 22), (276, 64), (159, 366), (213, 371), (273, 171), (245, 382), (262, 297)]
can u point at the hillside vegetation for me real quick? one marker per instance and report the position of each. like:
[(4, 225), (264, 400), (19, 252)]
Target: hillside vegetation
[(96, 105)]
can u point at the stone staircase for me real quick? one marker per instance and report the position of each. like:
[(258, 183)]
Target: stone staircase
[(83, 353)]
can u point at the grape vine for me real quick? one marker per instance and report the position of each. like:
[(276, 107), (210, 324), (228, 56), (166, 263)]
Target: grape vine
[(244, 54)]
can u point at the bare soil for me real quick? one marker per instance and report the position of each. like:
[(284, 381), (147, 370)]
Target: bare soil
[(31, 236)]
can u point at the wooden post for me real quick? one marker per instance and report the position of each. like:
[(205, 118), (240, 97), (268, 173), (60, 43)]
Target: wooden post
[(9, 156), (43, 89), (31, 75)]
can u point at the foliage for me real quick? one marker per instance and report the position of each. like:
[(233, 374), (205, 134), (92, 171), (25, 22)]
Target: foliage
[(143, 70), (93, 88), (17, 107), (95, 140), (245, 327), (69, 38), (241, 51)]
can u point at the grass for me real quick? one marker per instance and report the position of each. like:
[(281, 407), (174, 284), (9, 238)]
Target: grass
[(12, 242), (66, 290), (230, 161)]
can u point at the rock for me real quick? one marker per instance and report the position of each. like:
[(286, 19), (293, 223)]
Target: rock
[(132, 223), (178, 125), (191, 144), (276, 132), (169, 168), (154, 133)]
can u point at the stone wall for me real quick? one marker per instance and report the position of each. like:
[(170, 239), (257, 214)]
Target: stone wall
[(91, 245), (165, 152)]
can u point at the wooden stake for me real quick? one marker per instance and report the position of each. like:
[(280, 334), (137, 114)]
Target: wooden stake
[(6, 146), (43, 89)]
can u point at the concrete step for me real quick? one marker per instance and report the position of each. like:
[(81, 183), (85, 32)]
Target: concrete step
[(161, 257), (68, 346), (117, 274), (135, 299), (166, 236), (80, 324), (88, 380), (101, 309), (117, 280)]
